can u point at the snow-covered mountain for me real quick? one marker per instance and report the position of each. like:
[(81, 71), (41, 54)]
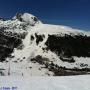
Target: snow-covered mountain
[(30, 48)]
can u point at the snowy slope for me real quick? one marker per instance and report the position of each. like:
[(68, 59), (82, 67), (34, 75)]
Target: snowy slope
[(47, 83), (31, 57)]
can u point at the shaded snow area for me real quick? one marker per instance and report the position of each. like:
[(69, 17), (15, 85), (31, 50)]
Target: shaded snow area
[(47, 83), (30, 48)]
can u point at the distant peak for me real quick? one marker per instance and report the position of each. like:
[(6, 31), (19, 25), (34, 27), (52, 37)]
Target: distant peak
[(2, 19), (26, 17)]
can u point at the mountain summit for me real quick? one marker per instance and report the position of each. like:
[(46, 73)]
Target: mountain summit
[(30, 48), (26, 17)]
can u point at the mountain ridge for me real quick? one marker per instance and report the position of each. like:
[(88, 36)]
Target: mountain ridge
[(31, 48)]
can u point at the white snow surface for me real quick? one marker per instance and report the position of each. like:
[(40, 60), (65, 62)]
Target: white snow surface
[(47, 83)]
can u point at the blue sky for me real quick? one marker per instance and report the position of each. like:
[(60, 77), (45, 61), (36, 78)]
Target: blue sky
[(74, 13)]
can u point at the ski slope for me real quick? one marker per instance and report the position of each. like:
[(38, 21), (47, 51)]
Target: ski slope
[(47, 83)]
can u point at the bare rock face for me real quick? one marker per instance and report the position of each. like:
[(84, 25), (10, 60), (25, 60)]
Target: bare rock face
[(18, 16)]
